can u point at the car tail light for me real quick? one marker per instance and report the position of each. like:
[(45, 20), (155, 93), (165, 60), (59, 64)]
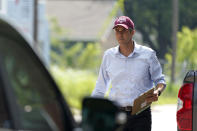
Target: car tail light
[(184, 108)]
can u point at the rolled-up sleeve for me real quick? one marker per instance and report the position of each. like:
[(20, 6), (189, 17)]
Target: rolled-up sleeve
[(102, 81), (156, 70)]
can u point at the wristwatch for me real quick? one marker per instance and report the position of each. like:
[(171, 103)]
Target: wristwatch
[(159, 93)]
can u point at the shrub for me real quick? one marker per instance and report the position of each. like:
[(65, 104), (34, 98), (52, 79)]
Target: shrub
[(74, 84)]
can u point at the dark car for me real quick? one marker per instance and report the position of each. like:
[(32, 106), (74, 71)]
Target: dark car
[(31, 100), (187, 103)]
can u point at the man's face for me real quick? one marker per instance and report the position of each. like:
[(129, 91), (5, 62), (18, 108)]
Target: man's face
[(123, 35)]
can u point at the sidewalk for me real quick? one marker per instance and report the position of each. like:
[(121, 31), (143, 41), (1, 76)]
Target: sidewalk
[(164, 118)]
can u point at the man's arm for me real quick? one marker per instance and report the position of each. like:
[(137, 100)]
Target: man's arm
[(102, 81), (157, 77)]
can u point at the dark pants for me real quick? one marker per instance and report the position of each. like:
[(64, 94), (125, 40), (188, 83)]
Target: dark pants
[(140, 122)]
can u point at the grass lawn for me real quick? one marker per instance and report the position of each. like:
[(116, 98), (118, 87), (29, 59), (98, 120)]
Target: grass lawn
[(166, 100), (169, 96)]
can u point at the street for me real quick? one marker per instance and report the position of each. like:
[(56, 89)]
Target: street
[(164, 118)]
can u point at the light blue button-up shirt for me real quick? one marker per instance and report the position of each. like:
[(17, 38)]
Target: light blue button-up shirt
[(130, 76)]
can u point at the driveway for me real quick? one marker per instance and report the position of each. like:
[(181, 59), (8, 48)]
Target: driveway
[(164, 118)]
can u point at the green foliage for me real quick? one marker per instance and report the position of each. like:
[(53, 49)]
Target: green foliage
[(171, 90), (152, 19), (78, 55), (74, 84), (188, 13), (170, 94), (186, 53), (187, 47), (90, 57)]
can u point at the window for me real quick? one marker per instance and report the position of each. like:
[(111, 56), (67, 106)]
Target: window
[(36, 98)]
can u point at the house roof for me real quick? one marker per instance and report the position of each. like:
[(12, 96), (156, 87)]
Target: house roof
[(83, 20)]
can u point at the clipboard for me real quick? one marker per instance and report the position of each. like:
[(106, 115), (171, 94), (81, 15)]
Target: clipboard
[(140, 103)]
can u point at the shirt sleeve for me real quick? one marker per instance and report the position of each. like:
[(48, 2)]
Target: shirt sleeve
[(102, 81), (156, 70)]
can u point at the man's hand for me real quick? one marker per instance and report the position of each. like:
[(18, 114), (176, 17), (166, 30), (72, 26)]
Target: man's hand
[(154, 97)]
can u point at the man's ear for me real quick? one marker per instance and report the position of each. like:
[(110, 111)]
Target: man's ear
[(133, 32)]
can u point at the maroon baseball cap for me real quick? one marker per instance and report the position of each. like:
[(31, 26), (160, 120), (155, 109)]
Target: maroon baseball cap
[(124, 21)]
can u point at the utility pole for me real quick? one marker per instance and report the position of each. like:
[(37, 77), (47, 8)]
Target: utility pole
[(174, 38), (35, 25)]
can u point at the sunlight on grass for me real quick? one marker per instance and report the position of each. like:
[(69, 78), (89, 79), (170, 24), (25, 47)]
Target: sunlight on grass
[(169, 96), (166, 100)]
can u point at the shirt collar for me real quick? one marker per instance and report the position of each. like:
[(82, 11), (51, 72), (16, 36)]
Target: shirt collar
[(136, 47), (135, 51)]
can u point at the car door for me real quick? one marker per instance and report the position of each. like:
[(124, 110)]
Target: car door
[(30, 99), (4, 112)]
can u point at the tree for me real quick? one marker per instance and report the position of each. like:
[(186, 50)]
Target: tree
[(186, 53), (188, 13), (153, 19), (187, 47), (174, 38)]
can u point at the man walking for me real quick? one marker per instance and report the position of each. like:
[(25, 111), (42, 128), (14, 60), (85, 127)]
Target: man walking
[(132, 69)]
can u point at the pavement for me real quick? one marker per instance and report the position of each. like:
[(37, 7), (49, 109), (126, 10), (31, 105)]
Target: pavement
[(163, 117)]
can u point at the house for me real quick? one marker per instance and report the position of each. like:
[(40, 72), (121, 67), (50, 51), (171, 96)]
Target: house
[(85, 21), (20, 13)]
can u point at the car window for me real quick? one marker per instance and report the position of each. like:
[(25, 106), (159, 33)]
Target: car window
[(35, 96), (4, 116)]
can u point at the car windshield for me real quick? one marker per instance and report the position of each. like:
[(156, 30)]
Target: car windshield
[(36, 98)]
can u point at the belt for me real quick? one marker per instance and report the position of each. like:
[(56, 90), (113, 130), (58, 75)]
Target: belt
[(126, 108)]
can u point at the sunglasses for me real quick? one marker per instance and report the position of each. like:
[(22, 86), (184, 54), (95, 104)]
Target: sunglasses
[(121, 30)]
